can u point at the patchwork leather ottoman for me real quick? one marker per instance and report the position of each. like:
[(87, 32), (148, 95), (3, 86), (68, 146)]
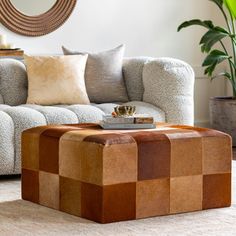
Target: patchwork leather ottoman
[(109, 176)]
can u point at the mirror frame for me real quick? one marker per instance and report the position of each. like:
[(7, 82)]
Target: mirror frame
[(39, 25)]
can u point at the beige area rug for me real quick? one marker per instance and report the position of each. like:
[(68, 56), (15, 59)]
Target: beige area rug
[(18, 217)]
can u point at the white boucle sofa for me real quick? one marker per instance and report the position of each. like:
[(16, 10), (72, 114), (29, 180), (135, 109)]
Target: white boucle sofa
[(161, 87)]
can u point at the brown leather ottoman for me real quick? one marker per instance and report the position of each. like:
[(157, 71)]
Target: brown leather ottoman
[(109, 176)]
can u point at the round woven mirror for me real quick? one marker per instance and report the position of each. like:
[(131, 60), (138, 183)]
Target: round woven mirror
[(43, 19)]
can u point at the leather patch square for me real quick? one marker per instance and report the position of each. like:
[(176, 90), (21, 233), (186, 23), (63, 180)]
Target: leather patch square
[(49, 154), (30, 148), (49, 190), (217, 154), (153, 155), (70, 156), (119, 202), (92, 202), (152, 198), (216, 191), (30, 185), (70, 196), (186, 156), (91, 163), (186, 194), (108, 203), (120, 164)]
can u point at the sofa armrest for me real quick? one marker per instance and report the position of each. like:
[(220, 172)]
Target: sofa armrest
[(169, 85), (13, 82)]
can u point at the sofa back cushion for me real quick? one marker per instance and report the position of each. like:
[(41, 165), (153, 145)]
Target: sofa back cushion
[(133, 75), (56, 80), (103, 76), (13, 82)]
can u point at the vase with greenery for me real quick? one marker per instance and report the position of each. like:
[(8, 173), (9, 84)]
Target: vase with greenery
[(214, 44)]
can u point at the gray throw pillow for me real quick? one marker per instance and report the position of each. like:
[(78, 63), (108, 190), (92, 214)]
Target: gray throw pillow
[(103, 76)]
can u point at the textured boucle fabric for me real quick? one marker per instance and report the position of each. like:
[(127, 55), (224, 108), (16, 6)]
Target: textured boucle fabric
[(13, 82), (86, 113), (55, 115), (133, 75), (7, 144), (3, 107), (1, 99), (169, 84), (23, 118)]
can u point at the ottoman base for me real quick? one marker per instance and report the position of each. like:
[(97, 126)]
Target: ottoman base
[(128, 201)]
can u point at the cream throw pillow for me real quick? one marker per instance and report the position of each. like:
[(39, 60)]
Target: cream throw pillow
[(56, 80)]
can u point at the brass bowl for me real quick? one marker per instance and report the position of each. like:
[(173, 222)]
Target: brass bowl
[(125, 110)]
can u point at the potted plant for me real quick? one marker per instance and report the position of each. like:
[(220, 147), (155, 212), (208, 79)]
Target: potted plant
[(213, 43)]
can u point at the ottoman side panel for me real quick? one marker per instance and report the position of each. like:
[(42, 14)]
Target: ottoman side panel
[(217, 166)]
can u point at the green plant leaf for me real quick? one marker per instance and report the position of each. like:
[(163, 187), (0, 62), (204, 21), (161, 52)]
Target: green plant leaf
[(223, 74), (220, 29), (231, 5), (215, 56), (209, 70), (213, 59), (207, 24), (211, 37)]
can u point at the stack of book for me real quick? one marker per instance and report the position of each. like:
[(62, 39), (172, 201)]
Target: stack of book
[(132, 122)]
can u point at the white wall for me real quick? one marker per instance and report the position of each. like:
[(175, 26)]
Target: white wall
[(147, 27)]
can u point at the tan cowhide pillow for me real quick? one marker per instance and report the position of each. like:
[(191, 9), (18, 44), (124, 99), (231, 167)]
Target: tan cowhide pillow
[(56, 80)]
